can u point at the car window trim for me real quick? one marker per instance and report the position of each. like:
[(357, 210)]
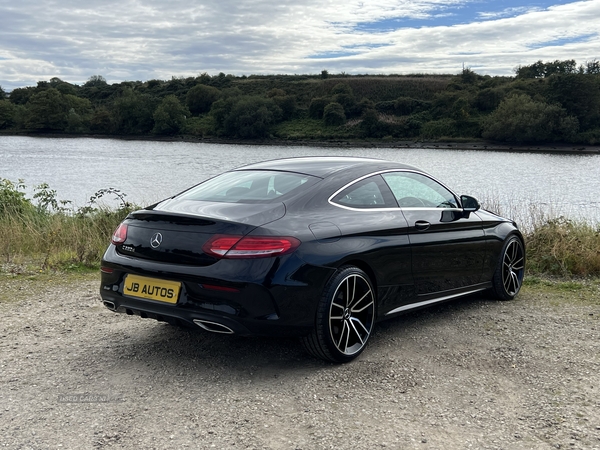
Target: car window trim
[(398, 207)]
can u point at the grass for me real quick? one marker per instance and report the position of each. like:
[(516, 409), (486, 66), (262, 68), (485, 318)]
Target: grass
[(558, 292), (58, 240), (17, 287), (556, 246), (565, 248), (43, 234)]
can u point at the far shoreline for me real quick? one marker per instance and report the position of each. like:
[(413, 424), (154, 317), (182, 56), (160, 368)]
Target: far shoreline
[(479, 145)]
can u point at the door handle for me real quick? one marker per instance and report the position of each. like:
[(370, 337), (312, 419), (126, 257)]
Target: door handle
[(422, 225)]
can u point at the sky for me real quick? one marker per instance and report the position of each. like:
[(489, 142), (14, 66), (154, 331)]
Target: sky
[(135, 40)]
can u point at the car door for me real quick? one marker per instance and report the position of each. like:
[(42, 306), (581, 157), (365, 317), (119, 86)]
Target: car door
[(373, 228), (447, 244)]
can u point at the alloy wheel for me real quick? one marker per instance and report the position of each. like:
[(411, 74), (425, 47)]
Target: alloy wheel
[(351, 314), (513, 266)]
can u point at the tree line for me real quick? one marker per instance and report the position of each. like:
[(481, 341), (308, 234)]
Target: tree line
[(544, 102)]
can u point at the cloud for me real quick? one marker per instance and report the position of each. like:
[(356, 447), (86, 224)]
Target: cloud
[(135, 40), (507, 12)]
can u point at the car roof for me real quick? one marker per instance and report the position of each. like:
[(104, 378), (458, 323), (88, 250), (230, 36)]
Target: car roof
[(325, 166)]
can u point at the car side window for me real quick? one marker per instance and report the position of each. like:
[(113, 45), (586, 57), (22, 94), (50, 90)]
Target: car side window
[(413, 190), (371, 192)]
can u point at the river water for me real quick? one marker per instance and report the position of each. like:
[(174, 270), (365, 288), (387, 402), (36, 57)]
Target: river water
[(522, 185)]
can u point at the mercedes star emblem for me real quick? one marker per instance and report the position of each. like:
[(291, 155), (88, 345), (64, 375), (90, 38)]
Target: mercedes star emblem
[(156, 240)]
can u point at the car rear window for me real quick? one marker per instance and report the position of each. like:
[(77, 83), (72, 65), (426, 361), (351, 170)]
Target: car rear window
[(249, 186)]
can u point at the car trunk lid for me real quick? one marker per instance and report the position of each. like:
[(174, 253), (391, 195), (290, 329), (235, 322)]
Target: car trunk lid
[(177, 237)]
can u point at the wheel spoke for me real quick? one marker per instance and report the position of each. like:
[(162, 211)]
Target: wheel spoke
[(347, 337), (354, 310), (350, 289), (520, 264), (513, 284), (339, 343), (356, 332), (354, 321), (355, 305), (516, 283), (338, 305), (510, 253), (508, 283)]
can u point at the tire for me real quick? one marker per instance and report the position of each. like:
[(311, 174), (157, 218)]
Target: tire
[(510, 270), (345, 317)]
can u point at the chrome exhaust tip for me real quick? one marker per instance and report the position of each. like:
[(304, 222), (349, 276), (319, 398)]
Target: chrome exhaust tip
[(213, 327), (109, 305)]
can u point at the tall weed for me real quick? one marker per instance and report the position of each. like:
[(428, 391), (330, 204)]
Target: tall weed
[(48, 233), (564, 247)]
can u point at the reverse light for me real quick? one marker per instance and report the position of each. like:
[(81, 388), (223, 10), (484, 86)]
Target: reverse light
[(234, 247), (120, 234)]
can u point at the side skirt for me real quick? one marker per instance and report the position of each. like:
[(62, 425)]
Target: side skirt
[(437, 300)]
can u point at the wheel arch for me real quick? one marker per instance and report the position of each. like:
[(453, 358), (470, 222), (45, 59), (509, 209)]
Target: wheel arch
[(366, 268), (516, 232)]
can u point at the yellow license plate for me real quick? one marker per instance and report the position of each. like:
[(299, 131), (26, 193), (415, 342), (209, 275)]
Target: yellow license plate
[(151, 288)]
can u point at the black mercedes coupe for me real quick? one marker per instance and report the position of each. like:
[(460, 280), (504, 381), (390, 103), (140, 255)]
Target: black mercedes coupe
[(316, 247)]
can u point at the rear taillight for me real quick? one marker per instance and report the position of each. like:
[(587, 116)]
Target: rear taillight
[(230, 247), (120, 234)]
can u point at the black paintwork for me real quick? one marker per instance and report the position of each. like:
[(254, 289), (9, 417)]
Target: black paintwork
[(413, 256)]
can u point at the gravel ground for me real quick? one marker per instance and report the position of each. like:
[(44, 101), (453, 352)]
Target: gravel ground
[(474, 373)]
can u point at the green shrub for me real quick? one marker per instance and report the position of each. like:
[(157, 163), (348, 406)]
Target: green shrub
[(347, 101), (591, 137), (406, 127), (170, 116), (13, 200), (200, 98), (275, 92), (334, 115), (46, 233), (8, 113), (50, 235), (251, 117), (469, 128), (201, 126), (579, 95), (405, 106), (317, 107), (342, 88), (133, 112), (371, 125), (436, 129), (488, 99), (565, 248), (521, 119), (47, 110), (386, 107), (287, 104), (102, 121)]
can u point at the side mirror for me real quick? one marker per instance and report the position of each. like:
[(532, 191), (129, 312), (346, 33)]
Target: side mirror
[(469, 204)]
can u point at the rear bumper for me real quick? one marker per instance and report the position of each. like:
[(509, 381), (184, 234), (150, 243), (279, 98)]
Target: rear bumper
[(176, 316), (268, 297)]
